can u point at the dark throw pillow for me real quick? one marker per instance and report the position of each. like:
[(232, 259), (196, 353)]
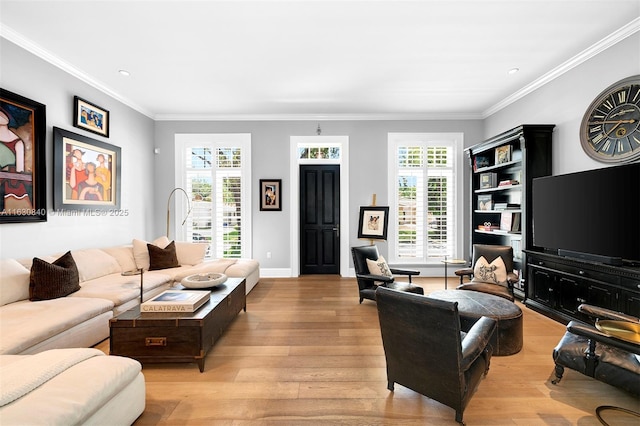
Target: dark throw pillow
[(162, 258), (53, 280)]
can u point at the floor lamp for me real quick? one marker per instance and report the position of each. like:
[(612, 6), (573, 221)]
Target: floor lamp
[(169, 207)]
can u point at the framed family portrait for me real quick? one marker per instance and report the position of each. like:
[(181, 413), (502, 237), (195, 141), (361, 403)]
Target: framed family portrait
[(270, 194), (90, 117), (86, 173), (373, 223), (23, 192)]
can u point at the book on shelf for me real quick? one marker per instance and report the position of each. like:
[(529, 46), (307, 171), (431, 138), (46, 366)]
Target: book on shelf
[(173, 301), (510, 221), (506, 206), (480, 161), (489, 227), (508, 182), (488, 180)]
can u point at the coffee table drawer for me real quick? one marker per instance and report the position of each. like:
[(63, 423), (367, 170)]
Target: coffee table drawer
[(156, 341)]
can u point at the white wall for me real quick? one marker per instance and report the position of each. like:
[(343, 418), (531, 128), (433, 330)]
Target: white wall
[(25, 74), (564, 101)]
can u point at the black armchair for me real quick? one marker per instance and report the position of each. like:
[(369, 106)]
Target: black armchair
[(368, 282), (490, 253), (596, 354), (426, 351)]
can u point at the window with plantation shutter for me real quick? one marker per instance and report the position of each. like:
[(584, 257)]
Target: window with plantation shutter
[(423, 187), (215, 172)]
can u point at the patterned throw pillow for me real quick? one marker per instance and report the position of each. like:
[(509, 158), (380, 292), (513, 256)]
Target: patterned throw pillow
[(494, 272), (53, 280), (379, 267), (162, 258)]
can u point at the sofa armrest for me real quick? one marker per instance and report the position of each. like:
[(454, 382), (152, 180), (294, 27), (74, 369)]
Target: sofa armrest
[(476, 340)]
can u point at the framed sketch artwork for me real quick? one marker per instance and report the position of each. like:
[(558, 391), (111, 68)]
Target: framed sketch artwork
[(23, 193), (373, 222), (86, 173)]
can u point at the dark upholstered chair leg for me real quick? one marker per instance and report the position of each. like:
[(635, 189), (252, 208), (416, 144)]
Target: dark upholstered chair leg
[(459, 417), (390, 385), (559, 371)]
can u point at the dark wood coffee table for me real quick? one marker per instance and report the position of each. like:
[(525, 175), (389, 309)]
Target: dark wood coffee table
[(178, 337)]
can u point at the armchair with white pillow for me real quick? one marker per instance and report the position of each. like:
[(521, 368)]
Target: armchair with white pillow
[(372, 271), (491, 271)]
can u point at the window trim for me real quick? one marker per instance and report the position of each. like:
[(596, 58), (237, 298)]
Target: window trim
[(216, 140), (456, 140)]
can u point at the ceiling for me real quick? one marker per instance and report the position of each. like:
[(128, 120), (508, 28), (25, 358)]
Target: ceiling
[(317, 59)]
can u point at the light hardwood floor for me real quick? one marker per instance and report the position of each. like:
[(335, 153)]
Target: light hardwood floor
[(306, 353)]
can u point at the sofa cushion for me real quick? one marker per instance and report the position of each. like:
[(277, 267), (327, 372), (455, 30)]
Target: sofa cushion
[(141, 252), (162, 258), (53, 280), (14, 281), (94, 263), (493, 273), (190, 253), (25, 324), (124, 256), (121, 289)]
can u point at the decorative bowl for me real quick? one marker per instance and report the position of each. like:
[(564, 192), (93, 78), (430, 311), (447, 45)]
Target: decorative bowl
[(207, 280)]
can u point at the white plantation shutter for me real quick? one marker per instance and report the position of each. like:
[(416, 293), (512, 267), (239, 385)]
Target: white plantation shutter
[(423, 194), (216, 175)]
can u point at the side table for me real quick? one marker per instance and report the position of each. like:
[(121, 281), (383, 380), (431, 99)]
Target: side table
[(451, 262)]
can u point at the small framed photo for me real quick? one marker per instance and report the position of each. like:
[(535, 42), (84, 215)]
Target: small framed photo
[(488, 180), (503, 154), (270, 194), (90, 117), (374, 222), (485, 202)]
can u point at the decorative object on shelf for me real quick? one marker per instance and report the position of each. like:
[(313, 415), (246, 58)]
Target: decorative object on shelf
[(488, 180), (88, 116), (485, 202), (270, 194), (211, 279), (480, 161), (169, 207), (373, 222), (86, 174), (503, 154), (610, 128), (22, 159)]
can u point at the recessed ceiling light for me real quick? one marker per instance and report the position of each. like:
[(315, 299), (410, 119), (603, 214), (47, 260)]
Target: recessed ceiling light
[(125, 73), (513, 71)]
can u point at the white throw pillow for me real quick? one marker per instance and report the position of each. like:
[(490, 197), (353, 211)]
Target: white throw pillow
[(379, 267), (190, 253), (14, 281), (141, 252), (494, 272), (124, 256), (94, 263)]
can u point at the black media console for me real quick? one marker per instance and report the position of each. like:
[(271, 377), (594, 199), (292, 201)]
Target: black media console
[(557, 285)]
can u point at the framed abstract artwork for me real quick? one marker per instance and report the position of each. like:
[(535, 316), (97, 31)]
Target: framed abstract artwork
[(23, 192), (88, 116), (373, 222), (271, 194), (86, 173)]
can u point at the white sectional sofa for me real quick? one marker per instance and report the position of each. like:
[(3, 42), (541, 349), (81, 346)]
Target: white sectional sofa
[(81, 319)]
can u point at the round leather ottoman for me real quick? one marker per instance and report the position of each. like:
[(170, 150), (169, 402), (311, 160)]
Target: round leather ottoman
[(507, 340)]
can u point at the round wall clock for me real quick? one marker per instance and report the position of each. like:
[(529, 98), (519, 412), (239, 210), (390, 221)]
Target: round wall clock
[(610, 129)]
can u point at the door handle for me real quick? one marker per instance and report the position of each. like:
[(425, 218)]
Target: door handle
[(337, 229)]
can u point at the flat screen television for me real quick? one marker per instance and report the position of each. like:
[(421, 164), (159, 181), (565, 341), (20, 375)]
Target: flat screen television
[(594, 214)]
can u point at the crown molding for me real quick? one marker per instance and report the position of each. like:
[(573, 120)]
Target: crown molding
[(13, 36), (610, 40), (319, 117)]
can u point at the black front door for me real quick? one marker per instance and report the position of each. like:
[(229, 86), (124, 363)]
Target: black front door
[(320, 219)]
